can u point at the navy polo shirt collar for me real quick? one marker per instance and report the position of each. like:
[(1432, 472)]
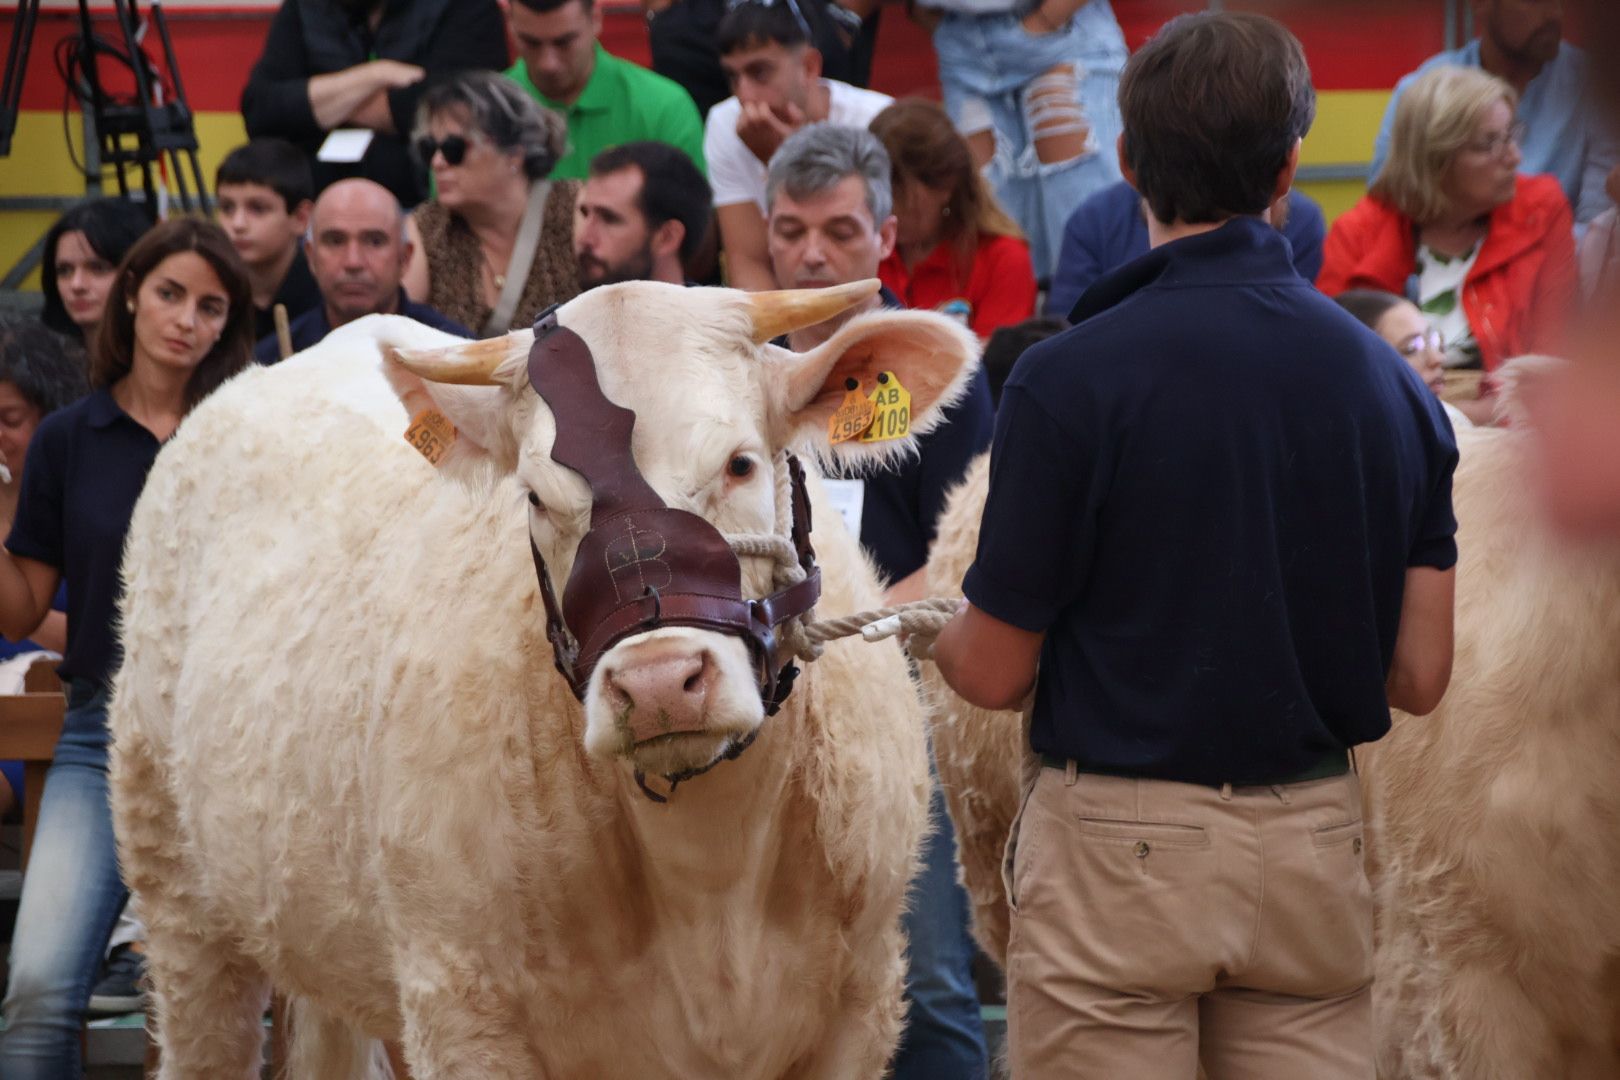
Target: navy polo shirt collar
[(103, 412), (1244, 249)]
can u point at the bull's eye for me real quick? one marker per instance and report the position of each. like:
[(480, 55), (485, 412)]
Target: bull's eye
[(741, 467), (534, 500)]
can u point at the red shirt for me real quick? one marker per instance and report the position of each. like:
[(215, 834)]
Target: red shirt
[(999, 289), (1518, 294)]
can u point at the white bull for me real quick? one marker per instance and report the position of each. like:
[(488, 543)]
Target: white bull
[(344, 765), (1493, 823)]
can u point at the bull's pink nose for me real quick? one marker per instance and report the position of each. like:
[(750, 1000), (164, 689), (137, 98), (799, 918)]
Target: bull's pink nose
[(663, 687)]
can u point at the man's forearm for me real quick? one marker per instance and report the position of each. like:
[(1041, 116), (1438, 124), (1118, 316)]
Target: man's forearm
[(334, 98), (987, 662)]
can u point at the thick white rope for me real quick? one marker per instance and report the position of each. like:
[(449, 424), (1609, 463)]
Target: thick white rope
[(806, 637)]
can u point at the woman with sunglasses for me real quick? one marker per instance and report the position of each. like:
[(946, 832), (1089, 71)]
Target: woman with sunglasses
[(495, 246), (179, 322), (1490, 254)]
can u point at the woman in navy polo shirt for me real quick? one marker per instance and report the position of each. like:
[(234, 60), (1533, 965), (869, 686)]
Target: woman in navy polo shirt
[(178, 324)]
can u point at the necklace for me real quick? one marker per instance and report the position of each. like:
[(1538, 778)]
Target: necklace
[(495, 275)]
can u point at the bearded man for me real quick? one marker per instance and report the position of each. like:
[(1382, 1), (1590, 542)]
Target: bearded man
[(642, 215)]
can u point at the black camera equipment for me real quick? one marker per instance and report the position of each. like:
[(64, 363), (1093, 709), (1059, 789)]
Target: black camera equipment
[(131, 131)]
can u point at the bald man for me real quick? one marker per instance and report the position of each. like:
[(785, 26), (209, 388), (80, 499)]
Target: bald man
[(357, 249)]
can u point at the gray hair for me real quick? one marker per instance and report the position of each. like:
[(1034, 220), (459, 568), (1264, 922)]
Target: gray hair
[(497, 108), (818, 156)]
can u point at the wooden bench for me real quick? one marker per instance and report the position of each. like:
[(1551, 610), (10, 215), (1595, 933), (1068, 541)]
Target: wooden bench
[(30, 724)]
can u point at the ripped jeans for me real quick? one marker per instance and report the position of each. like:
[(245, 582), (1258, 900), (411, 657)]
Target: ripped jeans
[(1022, 87)]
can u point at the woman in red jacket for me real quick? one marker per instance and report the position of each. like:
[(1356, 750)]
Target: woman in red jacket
[(1488, 255), (957, 251)]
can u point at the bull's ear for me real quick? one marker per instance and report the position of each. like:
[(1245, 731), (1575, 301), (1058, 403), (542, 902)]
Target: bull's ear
[(932, 356), (474, 385)]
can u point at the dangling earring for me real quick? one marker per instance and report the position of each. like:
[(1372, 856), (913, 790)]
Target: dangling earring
[(945, 211), (129, 306)]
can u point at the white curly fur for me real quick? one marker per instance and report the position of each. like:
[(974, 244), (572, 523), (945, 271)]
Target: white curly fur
[(1493, 824), (345, 767)]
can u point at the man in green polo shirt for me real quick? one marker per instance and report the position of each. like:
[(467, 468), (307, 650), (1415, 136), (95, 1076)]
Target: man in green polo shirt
[(606, 100)]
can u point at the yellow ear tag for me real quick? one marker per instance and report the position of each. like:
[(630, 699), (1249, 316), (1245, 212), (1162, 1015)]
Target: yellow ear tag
[(893, 404), (432, 433), (853, 416)]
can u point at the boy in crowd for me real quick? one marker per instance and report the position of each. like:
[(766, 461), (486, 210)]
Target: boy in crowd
[(778, 88), (264, 190)]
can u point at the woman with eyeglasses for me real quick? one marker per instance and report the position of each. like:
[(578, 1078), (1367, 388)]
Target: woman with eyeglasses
[(494, 247), (1486, 254), (1398, 321)]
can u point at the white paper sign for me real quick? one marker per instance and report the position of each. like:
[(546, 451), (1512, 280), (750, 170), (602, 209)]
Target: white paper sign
[(345, 146), (848, 497)]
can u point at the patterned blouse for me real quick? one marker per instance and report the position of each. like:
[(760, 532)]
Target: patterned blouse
[(456, 263)]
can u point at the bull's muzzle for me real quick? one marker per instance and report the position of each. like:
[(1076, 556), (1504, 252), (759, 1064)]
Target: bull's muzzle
[(659, 688)]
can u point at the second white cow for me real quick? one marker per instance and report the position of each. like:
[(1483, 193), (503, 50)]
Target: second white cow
[(1493, 848)]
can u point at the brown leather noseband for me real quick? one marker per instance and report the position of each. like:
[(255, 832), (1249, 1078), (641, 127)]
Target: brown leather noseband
[(644, 564)]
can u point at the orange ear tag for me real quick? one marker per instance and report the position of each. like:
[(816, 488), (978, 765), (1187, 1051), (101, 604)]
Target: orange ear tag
[(432, 433), (853, 416), (893, 404)]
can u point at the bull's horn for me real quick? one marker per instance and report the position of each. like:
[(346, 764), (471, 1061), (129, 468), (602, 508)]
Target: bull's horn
[(785, 310), (469, 364)]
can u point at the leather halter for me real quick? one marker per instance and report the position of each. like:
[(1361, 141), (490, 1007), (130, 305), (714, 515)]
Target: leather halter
[(643, 564)]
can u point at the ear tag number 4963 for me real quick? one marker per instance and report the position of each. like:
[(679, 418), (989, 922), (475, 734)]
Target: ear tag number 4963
[(432, 433), (892, 415), (853, 416)]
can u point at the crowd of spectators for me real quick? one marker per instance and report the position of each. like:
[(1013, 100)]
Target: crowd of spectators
[(402, 160)]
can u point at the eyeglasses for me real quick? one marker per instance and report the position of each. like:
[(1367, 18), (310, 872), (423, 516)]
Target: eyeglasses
[(1497, 144), (1429, 339), (792, 5), (453, 147)]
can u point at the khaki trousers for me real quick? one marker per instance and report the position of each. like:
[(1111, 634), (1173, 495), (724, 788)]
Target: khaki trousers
[(1156, 925)]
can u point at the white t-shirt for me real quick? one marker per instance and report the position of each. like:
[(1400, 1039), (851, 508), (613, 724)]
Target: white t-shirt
[(1440, 288), (736, 175)]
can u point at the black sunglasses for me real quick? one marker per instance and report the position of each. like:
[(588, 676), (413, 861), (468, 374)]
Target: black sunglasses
[(453, 147), (792, 6)]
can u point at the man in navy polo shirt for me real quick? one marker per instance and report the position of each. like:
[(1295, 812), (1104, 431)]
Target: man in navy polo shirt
[(830, 223), (1219, 519)]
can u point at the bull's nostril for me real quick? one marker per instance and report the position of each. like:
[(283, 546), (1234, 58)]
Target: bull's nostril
[(698, 681)]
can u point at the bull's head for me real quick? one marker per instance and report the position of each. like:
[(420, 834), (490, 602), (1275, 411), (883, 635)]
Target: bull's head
[(715, 406)]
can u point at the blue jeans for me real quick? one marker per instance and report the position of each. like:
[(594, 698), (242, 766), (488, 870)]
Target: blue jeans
[(986, 66), (70, 900), (944, 1033)]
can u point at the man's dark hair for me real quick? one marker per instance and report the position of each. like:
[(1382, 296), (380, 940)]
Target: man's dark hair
[(1212, 106), (543, 6), (751, 24), (276, 164), (672, 188), (1008, 343)]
